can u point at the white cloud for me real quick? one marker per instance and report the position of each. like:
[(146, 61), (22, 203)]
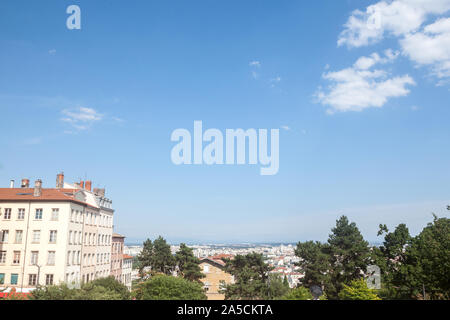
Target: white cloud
[(81, 118), (287, 128), (398, 18), (255, 64), (430, 47), (365, 63), (357, 88), (276, 79), (52, 51)]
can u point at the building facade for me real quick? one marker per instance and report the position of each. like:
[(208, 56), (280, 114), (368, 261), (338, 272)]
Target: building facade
[(117, 256), (127, 270), (215, 277), (54, 235)]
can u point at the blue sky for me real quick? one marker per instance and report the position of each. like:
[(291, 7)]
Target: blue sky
[(363, 110)]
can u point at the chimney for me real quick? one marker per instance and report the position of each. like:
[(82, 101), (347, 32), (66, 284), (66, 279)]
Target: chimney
[(88, 185), (99, 192), (38, 188), (11, 184), (25, 183), (82, 184), (60, 180)]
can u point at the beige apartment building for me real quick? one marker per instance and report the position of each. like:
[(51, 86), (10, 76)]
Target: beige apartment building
[(215, 276), (117, 256), (127, 270), (54, 235)]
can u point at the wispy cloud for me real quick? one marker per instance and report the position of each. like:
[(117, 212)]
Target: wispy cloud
[(255, 65), (52, 51), (81, 118), (274, 81), (287, 128)]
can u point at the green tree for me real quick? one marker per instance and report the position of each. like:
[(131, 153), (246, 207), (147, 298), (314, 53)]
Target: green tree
[(188, 265), (163, 261), (348, 253), (157, 256), (357, 290), (299, 293), (428, 261), (285, 282), (343, 259), (111, 284), (277, 286), (100, 289), (391, 257), (314, 263), (163, 287), (250, 274), (145, 256)]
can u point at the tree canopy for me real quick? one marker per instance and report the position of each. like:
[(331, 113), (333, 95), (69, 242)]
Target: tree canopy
[(188, 265), (250, 274), (162, 287), (157, 256)]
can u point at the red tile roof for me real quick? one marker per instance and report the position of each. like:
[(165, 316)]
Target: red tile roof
[(126, 256), (222, 256), (27, 194), (116, 235)]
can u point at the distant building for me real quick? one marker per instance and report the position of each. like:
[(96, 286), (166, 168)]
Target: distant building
[(127, 269), (54, 235), (117, 256), (215, 276)]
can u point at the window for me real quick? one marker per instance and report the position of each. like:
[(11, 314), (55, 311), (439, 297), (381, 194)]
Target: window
[(32, 279), (2, 278), (38, 215), (36, 236), (70, 237), (52, 238), (48, 279), (21, 214), (7, 215), (14, 278), (51, 258), (2, 256), (34, 257), (19, 235), (16, 259), (68, 258), (55, 214), (4, 235)]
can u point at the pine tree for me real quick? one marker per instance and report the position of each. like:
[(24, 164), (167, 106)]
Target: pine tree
[(250, 274), (162, 260), (157, 256), (145, 256), (314, 263), (188, 265), (348, 253)]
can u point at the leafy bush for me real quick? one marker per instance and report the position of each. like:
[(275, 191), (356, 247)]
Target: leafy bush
[(163, 287)]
